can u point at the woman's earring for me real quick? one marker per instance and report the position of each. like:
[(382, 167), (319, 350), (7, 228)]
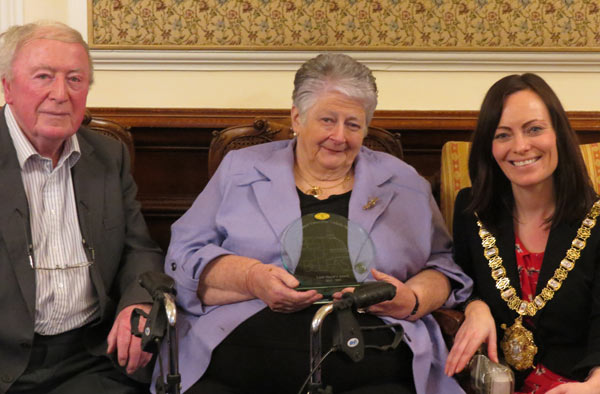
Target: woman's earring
[(294, 134)]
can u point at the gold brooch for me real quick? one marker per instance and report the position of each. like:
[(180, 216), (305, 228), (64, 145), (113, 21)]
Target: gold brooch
[(371, 203)]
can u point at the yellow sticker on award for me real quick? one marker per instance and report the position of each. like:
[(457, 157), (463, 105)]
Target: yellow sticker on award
[(322, 216)]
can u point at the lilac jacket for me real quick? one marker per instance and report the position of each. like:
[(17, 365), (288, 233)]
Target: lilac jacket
[(252, 198)]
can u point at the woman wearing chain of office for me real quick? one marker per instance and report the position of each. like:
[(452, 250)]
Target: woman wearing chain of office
[(526, 232), (246, 327)]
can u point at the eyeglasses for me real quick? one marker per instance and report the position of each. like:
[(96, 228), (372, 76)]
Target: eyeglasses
[(84, 264), (90, 252)]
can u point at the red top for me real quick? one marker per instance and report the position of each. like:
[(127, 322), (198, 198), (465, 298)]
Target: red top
[(541, 379), (529, 265)]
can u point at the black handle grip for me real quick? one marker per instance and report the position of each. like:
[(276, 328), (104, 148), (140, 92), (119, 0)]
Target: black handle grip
[(371, 293), (156, 283)]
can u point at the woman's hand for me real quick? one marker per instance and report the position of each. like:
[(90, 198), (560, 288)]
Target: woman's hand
[(398, 307), (590, 386), (275, 286), (338, 294), (430, 286), (478, 327)]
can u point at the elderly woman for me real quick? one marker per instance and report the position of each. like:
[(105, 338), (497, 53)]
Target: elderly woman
[(537, 291), (246, 327)]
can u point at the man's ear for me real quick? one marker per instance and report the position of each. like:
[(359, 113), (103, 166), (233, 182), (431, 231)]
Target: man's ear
[(6, 87)]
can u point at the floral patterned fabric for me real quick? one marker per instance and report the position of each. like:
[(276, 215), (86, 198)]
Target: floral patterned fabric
[(528, 265), (541, 380), (353, 24)]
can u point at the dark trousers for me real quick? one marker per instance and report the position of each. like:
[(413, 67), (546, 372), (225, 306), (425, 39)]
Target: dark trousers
[(269, 354), (59, 364), (205, 386)]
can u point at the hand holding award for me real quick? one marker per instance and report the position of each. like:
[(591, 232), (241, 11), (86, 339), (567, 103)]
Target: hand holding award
[(327, 252)]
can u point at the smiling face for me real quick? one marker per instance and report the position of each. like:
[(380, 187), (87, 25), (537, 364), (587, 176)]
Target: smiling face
[(47, 92), (524, 144), (330, 134)]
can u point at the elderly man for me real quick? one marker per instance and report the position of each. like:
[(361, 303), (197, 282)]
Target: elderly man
[(72, 239)]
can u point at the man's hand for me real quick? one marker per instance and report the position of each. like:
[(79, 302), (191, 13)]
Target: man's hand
[(128, 347)]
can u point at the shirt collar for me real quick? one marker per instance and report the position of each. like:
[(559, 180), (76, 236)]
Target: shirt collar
[(25, 150)]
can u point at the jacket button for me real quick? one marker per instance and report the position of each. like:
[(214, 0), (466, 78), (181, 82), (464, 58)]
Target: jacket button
[(7, 378), (173, 266)]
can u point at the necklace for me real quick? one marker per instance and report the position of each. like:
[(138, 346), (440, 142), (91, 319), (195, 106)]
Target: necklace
[(317, 191), (517, 344)]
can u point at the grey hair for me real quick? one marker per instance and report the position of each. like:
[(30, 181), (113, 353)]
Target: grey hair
[(334, 72), (15, 37)]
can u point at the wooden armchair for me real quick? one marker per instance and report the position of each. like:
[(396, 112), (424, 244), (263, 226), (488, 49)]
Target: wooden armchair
[(113, 130), (263, 130)]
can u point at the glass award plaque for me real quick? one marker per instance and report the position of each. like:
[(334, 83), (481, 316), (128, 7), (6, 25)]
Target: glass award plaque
[(326, 252)]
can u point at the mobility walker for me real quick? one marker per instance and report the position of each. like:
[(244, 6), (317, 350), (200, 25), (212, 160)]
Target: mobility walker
[(347, 332), (160, 323)]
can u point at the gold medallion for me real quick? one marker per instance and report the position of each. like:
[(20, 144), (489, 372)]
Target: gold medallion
[(518, 346)]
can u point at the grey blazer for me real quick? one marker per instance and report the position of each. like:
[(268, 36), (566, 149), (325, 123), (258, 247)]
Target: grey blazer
[(110, 220)]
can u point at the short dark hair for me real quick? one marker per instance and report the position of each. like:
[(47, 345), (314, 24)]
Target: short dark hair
[(491, 191)]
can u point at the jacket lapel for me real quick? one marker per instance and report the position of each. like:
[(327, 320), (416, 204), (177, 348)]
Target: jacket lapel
[(88, 184), (14, 216), (275, 189), (372, 191)]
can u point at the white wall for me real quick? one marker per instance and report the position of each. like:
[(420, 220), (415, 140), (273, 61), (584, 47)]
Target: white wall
[(272, 89)]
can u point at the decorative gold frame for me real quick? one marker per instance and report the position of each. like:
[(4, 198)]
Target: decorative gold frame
[(384, 25)]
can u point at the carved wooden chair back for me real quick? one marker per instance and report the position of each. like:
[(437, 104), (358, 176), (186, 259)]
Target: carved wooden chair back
[(111, 129), (264, 130)]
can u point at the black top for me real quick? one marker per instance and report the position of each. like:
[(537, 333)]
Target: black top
[(337, 203), (567, 330)]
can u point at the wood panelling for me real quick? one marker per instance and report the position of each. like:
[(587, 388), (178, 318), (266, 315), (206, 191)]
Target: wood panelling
[(171, 147)]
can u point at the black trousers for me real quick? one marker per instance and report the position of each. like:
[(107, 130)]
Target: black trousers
[(209, 386), (60, 364), (269, 354)]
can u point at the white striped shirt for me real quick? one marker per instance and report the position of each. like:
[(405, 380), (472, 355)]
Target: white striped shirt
[(65, 298)]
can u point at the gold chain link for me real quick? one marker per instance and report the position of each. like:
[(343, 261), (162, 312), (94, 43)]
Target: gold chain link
[(490, 252)]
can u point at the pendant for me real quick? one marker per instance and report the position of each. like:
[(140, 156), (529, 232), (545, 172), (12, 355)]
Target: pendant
[(518, 346), (314, 191)]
